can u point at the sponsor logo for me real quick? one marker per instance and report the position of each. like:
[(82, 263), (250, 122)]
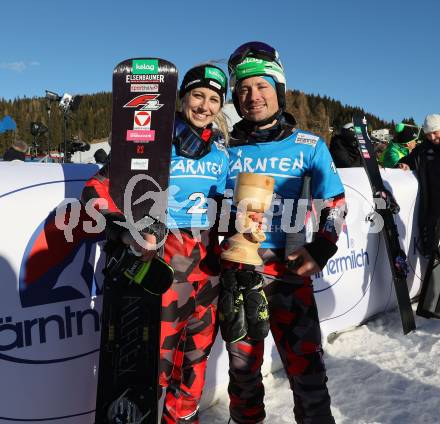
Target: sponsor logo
[(308, 139), (144, 88), (252, 60), (145, 67), (214, 84), (216, 74), (39, 330), (147, 101), (144, 78), (139, 165), (49, 260), (141, 136), (142, 120), (56, 291), (340, 264)]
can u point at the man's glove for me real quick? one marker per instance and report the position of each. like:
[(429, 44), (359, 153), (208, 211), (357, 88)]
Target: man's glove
[(233, 325), (255, 304), (243, 308)]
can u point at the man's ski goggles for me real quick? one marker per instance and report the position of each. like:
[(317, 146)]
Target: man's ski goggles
[(255, 48), (188, 143)]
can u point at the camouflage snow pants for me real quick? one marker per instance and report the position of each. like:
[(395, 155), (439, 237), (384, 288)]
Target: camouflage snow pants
[(295, 328)]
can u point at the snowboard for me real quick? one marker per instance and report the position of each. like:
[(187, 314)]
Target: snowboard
[(386, 206), (144, 99)]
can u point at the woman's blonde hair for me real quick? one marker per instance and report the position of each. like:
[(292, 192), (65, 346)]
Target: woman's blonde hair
[(222, 124)]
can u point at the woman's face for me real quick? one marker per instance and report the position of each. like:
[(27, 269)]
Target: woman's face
[(200, 106)]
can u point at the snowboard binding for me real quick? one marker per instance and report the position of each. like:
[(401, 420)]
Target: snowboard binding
[(125, 267), (124, 411)]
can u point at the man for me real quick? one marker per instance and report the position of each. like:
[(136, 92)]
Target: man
[(344, 149), (425, 160), (266, 141), (404, 141)]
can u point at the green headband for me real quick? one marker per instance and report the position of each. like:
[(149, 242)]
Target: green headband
[(252, 66), (216, 74)]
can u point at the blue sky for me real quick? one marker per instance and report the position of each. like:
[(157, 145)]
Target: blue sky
[(382, 55)]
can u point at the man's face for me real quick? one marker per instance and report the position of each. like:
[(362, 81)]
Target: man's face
[(257, 98), (433, 137)]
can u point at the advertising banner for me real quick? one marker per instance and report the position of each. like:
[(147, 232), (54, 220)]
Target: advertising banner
[(51, 281)]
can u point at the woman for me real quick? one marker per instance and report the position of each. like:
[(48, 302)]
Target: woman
[(198, 171), (199, 165)]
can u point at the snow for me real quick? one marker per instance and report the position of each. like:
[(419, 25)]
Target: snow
[(376, 376)]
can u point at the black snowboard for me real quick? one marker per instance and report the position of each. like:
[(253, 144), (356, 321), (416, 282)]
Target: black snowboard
[(144, 98), (383, 197)]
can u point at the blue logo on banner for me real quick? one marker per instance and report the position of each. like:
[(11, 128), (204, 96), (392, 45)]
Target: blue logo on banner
[(55, 270)]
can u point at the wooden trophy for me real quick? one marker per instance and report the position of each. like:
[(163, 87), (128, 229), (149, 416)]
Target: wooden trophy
[(252, 194)]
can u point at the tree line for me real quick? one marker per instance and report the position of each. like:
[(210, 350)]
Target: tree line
[(92, 120)]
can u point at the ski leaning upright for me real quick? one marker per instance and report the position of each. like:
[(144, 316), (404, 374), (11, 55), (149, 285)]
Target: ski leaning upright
[(396, 255), (144, 99)]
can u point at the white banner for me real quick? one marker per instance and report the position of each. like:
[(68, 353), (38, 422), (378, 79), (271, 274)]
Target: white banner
[(50, 298), (357, 283)]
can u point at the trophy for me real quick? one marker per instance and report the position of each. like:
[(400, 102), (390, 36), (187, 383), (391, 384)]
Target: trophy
[(252, 194)]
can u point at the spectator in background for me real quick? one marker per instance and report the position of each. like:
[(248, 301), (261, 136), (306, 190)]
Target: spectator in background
[(404, 141), (344, 149), (425, 160), (100, 156), (379, 149), (17, 151)]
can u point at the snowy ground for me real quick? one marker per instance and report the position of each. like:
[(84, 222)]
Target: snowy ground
[(376, 376)]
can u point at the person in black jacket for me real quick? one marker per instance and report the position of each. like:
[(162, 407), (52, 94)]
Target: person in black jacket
[(17, 151), (343, 148), (425, 160)]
